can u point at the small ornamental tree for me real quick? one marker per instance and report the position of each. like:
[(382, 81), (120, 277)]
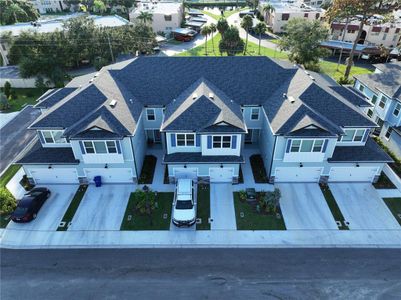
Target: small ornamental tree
[(231, 43), (7, 202)]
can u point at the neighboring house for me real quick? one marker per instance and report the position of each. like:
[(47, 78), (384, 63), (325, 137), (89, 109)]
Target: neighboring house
[(383, 88), (287, 10), (166, 16), (387, 34), (204, 111), (51, 25), (317, 3), (49, 6)]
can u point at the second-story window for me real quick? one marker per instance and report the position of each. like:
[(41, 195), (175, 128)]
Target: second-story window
[(100, 147), (382, 102), (353, 135), (185, 139), (374, 99), (53, 137), (306, 146), (255, 114), (222, 141), (397, 110), (285, 17), (150, 113), (361, 87), (167, 18)]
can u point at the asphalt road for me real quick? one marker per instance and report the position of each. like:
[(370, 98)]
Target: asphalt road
[(201, 274), (15, 136)]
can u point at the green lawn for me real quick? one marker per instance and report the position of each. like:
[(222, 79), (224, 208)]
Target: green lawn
[(23, 98), (330, 68), (4, 179), (72, 208), (144, 222), (394, 204), (148, 169), (203, 208), (335, 210), (384, 182), (252, 220), (227, 13)]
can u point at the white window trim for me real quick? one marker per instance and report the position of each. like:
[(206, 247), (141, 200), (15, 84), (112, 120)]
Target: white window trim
[(353, 137), (221, 141), (185, 140), (105, 144), (147, 114), (371, 99), (313, 145), (399, 109), (385, 102), (54, 140), (258, 109), (391, 131)]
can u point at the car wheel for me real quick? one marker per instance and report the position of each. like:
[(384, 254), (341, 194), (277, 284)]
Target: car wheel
[(34, 216)]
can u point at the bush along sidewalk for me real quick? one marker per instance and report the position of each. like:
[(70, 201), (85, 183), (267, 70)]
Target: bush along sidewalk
[(7, 201)]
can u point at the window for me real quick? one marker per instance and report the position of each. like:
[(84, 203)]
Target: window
[(370, 113), (185, 139), (361, 87), (388, 133), (167, 18), (295, 145), (222, 141), (317, 16), (53, 137), (100, 147), (150, 113), (306, 15), (353, 135), (382, 102), (374, 99), (255, 114), (318, 146), (351, 31), (285, 17), (397, 109), (384, 36), (306, 145)]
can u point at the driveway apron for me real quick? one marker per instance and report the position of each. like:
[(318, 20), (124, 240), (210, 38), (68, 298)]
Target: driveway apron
[(222, 207)]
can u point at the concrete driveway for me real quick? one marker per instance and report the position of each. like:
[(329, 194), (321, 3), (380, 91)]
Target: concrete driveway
[(52, 212), (102, 208), (222, 207), (304, 207), (14, 136), (362, 206)]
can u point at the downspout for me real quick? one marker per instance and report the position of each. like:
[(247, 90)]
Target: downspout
[(274, 151), (133, 155)]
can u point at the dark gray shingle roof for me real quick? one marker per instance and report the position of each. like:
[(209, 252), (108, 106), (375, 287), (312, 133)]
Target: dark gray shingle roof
[(352, 95), (54, 97)]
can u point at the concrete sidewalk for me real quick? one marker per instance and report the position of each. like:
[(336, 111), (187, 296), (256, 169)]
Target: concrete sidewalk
[(22, 239)]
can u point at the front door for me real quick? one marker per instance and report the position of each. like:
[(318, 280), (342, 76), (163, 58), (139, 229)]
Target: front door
[(248, 136), (157, 136)]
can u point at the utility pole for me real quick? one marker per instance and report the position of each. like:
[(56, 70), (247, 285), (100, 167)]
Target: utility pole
[(111, 49)]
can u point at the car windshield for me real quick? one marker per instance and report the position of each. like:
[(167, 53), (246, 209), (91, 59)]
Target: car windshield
[(20, 210), (35, 194), (184, 204)]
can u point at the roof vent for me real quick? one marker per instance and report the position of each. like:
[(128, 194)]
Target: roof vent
[(194, 96), (211, 95), (284, 95), (91, 80), (113, 103), (311, 77), (131, 101), (97, 74), (291, 99)]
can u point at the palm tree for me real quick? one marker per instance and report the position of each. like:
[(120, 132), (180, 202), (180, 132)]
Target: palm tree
[(145, 17), (260, 28), (222, 26), (267, 9), (213, 29), (205, 31), (246, 23)]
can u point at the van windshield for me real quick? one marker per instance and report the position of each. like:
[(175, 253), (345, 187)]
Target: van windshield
[(187, 204)]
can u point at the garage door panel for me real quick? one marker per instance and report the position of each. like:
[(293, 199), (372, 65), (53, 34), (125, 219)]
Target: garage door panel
[(221, 174), (352, 174), (120, 175), (190, 173), (297, 174), (54, 175)]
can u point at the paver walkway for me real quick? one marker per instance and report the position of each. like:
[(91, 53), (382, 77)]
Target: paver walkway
[(222, 210)]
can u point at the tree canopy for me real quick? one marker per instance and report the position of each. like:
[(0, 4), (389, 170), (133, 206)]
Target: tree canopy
[(231, 43), (303, 40), (14, 11)]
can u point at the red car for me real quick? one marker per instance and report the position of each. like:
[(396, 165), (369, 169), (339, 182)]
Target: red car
[(29, 206)]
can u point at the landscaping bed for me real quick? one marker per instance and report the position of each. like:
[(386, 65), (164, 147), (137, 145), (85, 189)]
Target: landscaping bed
[(250, 217), (396, 165), (331, 202), (240, 176), (394, 204), (148, 170), (160, 216), (72, 208), (384, 182), (258, 169), (22, 97), (203, 206), (7, 200)]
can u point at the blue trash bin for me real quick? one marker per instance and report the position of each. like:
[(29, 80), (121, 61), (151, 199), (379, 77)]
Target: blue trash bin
[(98, 181)]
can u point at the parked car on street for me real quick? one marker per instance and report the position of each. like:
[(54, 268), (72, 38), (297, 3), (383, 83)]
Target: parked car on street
[(184, 213), (29, 206)]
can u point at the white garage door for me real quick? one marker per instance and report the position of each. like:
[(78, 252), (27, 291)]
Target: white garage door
[(191, 173), (297, 174), (121, 175), (54, 175), (352, 174), (221, 174)]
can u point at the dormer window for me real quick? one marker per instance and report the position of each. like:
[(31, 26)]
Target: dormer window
[(150, 113), (255, 114), (353, 135), (53, 137)]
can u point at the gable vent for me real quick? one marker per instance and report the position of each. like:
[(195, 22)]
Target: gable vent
[(211, 95), (113, 103)]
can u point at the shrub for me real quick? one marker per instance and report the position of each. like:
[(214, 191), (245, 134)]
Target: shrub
[(270, 201), (242, 195), (7, 202), (7, 89), (145, 201), (344, 80), (4, 104)]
